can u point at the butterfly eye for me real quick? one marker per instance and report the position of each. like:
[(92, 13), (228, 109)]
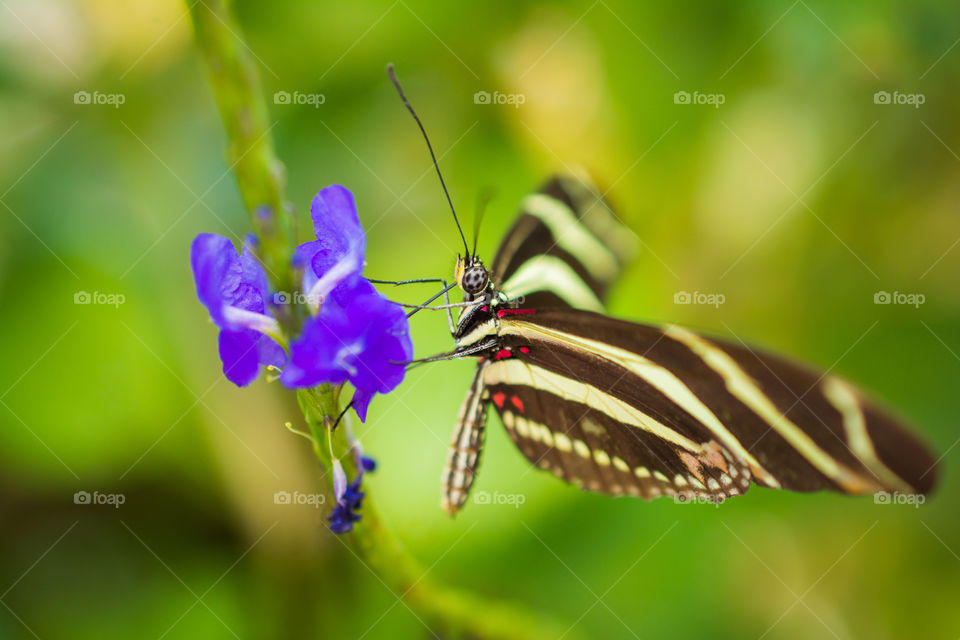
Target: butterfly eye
[(474, 279)]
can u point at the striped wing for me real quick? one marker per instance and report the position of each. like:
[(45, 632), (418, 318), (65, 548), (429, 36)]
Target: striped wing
[(466, 447), (620, 408), (565, 248)]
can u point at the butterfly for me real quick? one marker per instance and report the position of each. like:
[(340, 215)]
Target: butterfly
[(623, 408)]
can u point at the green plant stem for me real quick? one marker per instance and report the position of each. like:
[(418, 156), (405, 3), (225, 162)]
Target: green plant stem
[(259, 175), (250, 153), (455, 613)]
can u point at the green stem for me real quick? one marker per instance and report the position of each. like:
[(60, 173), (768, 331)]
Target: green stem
[(259, 174), (452, 613), (250, 153)]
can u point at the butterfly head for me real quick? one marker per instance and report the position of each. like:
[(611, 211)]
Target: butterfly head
[(471, 275)]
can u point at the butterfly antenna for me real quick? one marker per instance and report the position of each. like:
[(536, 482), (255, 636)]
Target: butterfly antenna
[(483, 199), (396, 83)]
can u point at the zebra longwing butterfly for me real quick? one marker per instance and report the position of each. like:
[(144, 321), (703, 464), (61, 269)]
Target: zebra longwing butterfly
[(623, 408)]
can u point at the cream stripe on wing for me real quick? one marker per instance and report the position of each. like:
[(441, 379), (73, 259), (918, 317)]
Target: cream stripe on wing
[(549, 273), (516, 372), (657, 376), (597, 216), (572, 236), (745, 389), (844, 400)]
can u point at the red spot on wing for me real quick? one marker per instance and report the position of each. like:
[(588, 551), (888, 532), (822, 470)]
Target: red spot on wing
[(503, 354), (513, 312), (517, 402), (498, 399), (524, 349)]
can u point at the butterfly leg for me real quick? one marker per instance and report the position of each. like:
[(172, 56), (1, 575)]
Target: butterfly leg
[(397, 283), (444, 292)]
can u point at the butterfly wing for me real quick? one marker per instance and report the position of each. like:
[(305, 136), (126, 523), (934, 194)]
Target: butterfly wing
[(565, 249), (466, 447), (619, 407)]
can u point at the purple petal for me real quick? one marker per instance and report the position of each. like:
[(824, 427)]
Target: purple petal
[(337, 254), (214, 261), (388, 344), (269, 353), (361, 402), (313, 355), (303, 259), (234, 289), (335, 219), (256, 292), (238, 351), (358, 336), (339, 480)]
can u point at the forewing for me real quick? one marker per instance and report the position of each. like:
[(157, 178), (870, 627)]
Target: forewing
[(565, 248)]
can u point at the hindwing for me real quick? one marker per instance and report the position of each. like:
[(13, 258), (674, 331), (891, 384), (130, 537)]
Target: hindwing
[(585, 396)]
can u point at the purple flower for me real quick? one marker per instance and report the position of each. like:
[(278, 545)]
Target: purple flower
[(357, 335), (336, 257), (354, 334), (233, 288), (345, 513), (349, 496)]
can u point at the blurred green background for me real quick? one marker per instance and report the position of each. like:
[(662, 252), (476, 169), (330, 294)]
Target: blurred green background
[(797, 199)]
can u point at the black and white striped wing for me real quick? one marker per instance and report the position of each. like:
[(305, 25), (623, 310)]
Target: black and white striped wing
[(624, 408), (466, 446), (564, 250)]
